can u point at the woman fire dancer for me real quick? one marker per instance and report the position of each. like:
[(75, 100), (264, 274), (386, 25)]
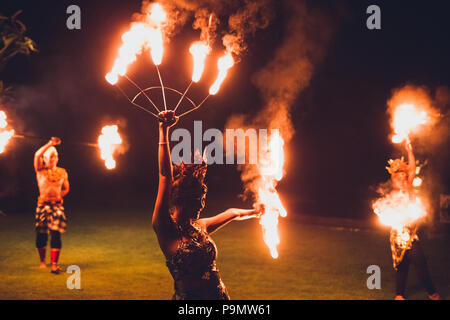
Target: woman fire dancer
[(183, 237), (53, 185), (406, 252)]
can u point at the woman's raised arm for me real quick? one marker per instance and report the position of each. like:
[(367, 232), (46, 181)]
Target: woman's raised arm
[(161, 218)]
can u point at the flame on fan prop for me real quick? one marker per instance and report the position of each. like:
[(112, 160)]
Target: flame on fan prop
[(148, 35), (270, 169), (199, 51), (142, 35), (109, 142), (5, 135), (397, 210), (406, 118), (224, 63)]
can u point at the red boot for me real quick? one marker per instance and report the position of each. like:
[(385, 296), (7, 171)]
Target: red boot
[(54, 255)]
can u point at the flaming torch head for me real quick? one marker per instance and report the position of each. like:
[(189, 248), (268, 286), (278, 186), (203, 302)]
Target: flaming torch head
[(5, 135), (271, 171), (199, 51), (224, 63), (156, 44), (141, 35), (108, 142), (406, 118), (156, 18), (133, 42)]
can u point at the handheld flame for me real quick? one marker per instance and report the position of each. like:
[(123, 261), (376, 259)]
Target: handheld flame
[(224, 63), (271, 171), (406, 118), (199, 51), (398, 210), (5, 135), (108, 142)]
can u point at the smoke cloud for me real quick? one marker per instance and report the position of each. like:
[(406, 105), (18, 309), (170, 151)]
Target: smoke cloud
[(307, 32)]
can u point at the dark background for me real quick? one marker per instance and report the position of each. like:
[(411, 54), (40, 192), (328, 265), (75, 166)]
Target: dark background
[(336, 157)]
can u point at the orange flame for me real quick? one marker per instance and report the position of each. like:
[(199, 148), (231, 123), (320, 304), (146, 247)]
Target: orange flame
[(157, 15), (224, 63), (108, 142), (406, 118), (5, 135), (271, 171), (397, 210), (133, 42), (142, 35), (199, 51), (156, 44)]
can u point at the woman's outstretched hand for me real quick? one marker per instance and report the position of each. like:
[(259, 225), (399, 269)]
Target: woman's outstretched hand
[(256, 212), (167, 118)]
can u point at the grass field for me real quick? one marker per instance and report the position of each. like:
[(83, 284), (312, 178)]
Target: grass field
[(120, 259)]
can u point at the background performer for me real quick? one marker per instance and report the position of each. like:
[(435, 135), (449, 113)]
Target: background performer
[(53, 185)]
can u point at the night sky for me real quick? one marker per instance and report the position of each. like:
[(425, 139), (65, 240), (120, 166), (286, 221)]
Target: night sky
[(335, 159)]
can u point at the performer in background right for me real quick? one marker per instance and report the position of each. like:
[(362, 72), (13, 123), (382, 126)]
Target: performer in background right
[(405, 245)]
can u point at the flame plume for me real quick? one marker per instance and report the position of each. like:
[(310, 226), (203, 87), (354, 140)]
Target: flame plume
[(406, 118), (398, 210), (199, 51), (271, 171), (224, 63), (5, 135), (108, 142), (142, 35)]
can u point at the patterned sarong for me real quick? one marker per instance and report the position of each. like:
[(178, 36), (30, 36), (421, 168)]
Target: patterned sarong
[(50, 216)]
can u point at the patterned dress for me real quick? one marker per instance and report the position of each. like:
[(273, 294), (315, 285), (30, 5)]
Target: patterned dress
[(401, 242), (193, 267)]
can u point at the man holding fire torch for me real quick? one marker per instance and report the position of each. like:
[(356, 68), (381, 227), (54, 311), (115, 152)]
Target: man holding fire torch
[(53, 185), (405, 244)]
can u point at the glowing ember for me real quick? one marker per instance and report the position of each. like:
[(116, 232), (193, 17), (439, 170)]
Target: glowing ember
[(406, 118), (397, 210), (199, 51), (5, 135), (108, 142), (224, 63), (271, 171), (140, 36)]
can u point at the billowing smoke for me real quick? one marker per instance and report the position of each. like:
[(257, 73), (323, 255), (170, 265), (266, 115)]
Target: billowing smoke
[(306, 34), (235, 22)]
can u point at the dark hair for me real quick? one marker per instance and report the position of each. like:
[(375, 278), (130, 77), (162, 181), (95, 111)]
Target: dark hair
[(189, 187)]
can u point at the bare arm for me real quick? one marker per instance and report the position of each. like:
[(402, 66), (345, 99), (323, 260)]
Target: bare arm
[(162, 223), (65, 187), (214, 223), (411, 162), (38, 161)]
